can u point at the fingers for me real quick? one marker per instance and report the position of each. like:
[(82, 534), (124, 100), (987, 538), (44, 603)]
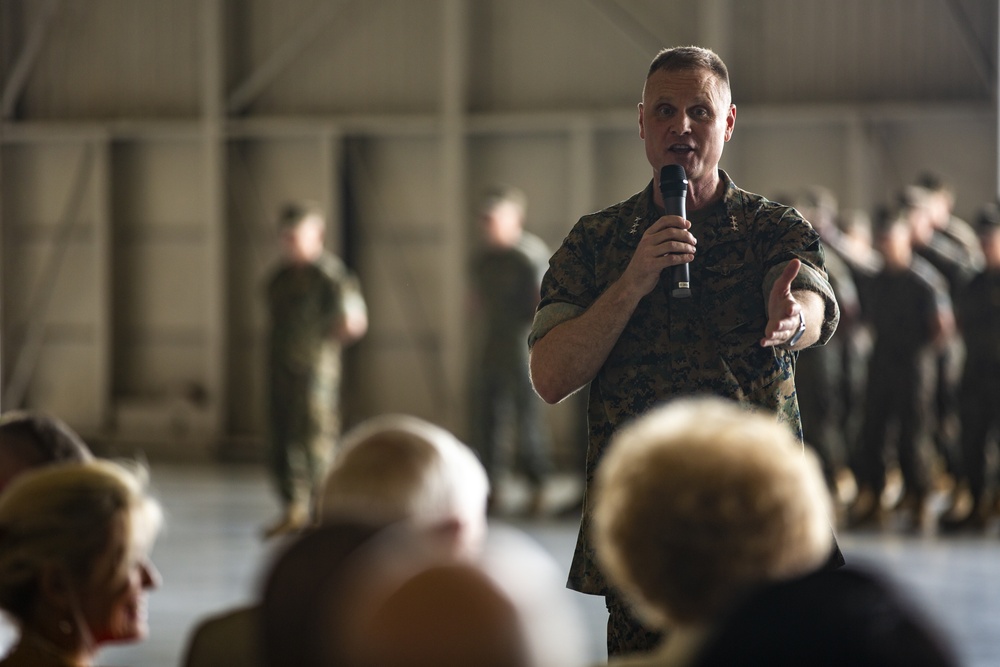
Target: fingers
[(783, 285), (670, 238)]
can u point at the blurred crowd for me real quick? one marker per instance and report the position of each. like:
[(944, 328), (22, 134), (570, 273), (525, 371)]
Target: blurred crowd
[(901, 405)]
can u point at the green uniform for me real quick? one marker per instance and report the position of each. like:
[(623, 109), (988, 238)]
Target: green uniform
[(506, 283), (708, 343), (307, 302)]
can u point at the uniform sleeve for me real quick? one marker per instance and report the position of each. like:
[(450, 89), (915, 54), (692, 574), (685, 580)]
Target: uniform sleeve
[(796, 239), (352, 301), (568, 286)]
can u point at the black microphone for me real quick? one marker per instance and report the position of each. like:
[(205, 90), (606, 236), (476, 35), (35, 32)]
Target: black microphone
[(673, 189)]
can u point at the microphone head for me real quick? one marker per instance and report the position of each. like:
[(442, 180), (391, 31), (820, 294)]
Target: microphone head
[(673, 181)]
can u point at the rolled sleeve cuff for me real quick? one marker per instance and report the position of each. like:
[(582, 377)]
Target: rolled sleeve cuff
[(549, 317)]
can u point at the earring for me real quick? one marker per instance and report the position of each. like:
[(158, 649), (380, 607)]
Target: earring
[(65, 627)]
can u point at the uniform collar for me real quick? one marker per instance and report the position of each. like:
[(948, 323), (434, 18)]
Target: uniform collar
[(719, 223)]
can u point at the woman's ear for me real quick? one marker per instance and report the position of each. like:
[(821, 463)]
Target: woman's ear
[(55, 588)]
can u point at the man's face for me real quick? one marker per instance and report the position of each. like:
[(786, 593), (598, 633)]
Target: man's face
[(685, 118), (502, 224), (304, 242)]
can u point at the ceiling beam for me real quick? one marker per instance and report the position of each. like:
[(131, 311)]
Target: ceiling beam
[(282, 57), (26, 59)]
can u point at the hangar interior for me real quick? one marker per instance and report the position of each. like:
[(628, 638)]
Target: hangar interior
[(147, 145)]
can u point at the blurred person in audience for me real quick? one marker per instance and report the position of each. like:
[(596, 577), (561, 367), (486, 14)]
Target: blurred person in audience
[(391, 469), (698, 502), (316, 308), (829, 618), (304, 598), (977, 310), (506, 273), (506, 609), (908, 307), (29, 440), (32, 439), (74, 560)]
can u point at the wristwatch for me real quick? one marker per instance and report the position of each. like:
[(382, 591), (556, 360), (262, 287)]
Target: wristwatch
[(801, 330)]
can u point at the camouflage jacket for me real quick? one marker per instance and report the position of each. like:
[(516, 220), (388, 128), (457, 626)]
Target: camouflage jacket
[(306, 303), (708, 343)]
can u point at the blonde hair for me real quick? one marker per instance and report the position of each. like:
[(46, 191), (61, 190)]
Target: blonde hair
[(397, 467), (63, 515), (701, 499)]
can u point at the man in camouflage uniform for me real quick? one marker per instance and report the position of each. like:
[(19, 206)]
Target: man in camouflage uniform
[(315, 308), (759, 293), (506, 274)]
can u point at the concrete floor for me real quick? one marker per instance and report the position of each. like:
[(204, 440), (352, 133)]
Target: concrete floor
[(211, 557)]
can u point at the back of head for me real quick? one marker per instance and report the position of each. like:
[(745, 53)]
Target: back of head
[(701, 499), (447, 615), (827, 619), (63, 516), (30, 439), (302, 586), (401, 468)]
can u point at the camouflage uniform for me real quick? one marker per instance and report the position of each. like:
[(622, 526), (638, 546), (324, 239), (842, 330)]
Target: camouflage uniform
[(709, 343), (306, 305), (506, 282), (901, 306)]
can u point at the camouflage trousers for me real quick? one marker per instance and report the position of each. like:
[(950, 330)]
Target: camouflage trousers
[(304, 424), (626, 633)]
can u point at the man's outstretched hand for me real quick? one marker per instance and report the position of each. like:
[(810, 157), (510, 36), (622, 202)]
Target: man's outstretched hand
[(782, 309)]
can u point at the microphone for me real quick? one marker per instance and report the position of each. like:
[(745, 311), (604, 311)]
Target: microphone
[(673, 189)]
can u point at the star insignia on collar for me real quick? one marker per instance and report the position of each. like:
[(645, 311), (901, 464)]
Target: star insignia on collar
[(735, 226), (635, 226)]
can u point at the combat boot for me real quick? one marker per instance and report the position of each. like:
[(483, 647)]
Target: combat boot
[(294, 519), (973, 520), (866, 512)]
